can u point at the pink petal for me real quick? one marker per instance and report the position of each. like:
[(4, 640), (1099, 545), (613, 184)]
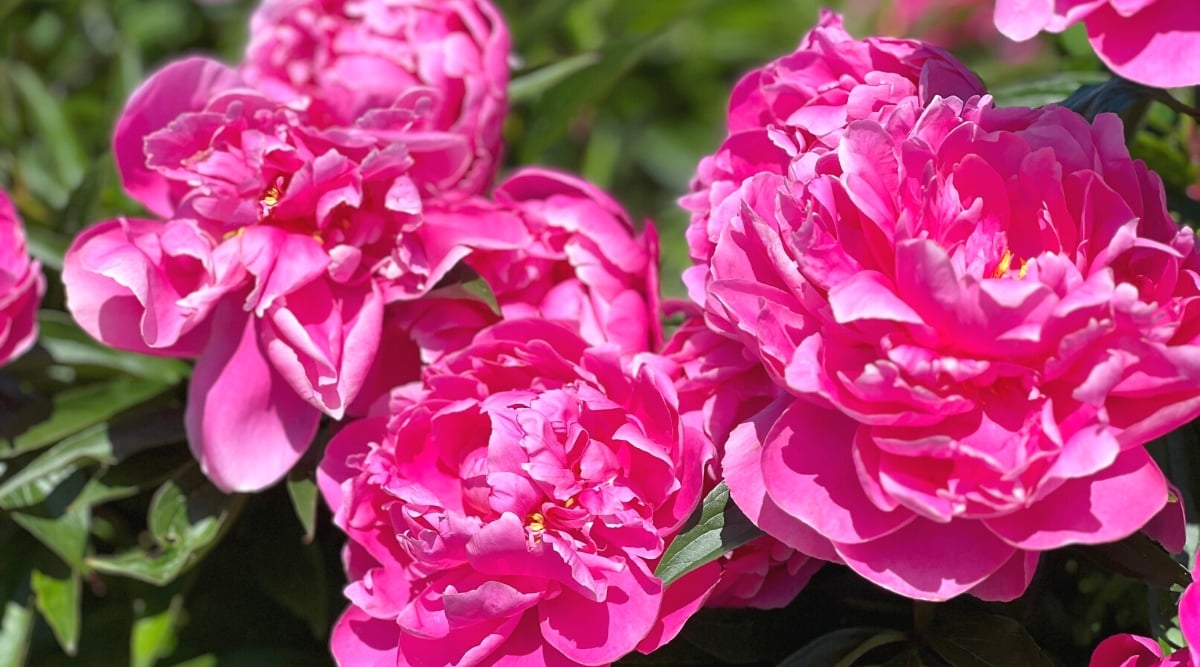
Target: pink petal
[(810, 474), (929, 561), (362, 641), (1107, 506), (245, 425), (594, 633), (1158, 46)]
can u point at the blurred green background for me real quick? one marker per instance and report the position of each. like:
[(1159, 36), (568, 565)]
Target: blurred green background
[(628, 93)]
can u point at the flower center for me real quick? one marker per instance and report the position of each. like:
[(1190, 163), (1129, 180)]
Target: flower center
[(1006, 262)]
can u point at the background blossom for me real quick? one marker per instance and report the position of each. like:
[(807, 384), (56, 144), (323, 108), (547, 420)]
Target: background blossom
[(21, 286)]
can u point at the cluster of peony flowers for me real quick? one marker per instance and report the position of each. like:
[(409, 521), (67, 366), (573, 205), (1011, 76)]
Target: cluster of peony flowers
[(976, 318), (929, 336), (21, 286)]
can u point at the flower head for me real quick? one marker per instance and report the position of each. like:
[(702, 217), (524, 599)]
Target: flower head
[(513, 506), (980, 315)]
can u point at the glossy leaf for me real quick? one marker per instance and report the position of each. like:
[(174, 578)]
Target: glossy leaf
[(1140, 557), (302, 490), (65, 534), (70, 346), (719, 527)]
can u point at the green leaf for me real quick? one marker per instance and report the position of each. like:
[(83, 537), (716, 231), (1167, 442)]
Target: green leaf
[(971, 639), (103, 443), (187, 517), (16, 598), (531, 85), (65, 534), (78, 408), (56, 131), (70, 346), (1050, 90), (302, 490), (154, 634), (1141, 558), (719, 528), (842, 648), (294, 576), (58, 593)]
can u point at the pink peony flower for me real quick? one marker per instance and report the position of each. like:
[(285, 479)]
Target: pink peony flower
[(980, 316), (284, 243), (21, 286), (801, 103), (1155, 42), (442, 65), (511, 509)]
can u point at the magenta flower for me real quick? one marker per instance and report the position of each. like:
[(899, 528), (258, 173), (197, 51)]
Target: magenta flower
[(21, 286), (1155, 42), (284, 243), (510, 511), (801, 104), (442, 66), (980, 316)]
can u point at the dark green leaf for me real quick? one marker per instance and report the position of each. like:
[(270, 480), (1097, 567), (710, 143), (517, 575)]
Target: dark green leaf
[(78, 408), (57, 593), (719, 528), (16, 598), (842, 648), (294, 576), (970, 639), (103, 443), (1140, 557), (187, 517), (302, 490), (1050, 90)]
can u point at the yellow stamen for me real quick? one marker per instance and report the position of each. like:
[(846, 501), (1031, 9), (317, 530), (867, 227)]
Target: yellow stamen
[(1002, 267), (271, 197), (233, 233), (569, 502), (537, 522)]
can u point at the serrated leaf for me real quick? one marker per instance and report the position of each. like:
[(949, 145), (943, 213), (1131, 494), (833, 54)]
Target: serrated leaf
[(78, 408), (187, 517), (842, 648), (966, 639), (57, 594), (154, 634), (70, 346), (1139, 557), (719, 528), (302, 490)]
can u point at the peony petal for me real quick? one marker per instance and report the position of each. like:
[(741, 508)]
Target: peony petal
[(245, 425), (594, 633), (913, 561), (358, 640), (1105, 507)]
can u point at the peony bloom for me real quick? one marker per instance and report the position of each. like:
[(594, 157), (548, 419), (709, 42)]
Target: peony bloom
[(441, 65), (1134, 651), (979, 315), (511, 509), (801, 103), (1155, 42), (582, 265), (21, 286), (282, 245)]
